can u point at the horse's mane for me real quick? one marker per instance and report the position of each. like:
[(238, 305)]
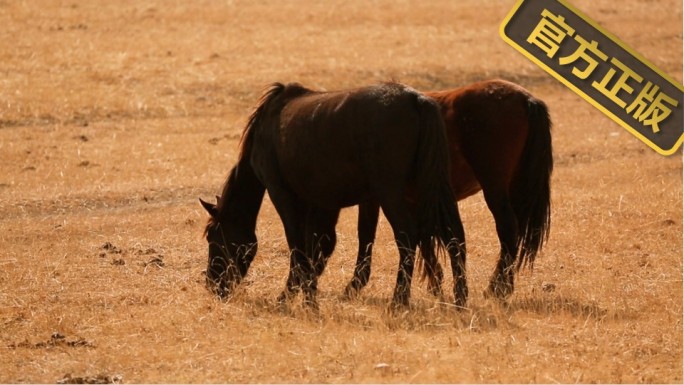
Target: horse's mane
[(269, 94), (246, 141), (272, 91)]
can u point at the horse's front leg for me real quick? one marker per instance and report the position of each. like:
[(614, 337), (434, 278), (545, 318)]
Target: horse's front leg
[(301, 276), (293, 215), (322, 230), (319, 239), (292, 284), (307, 279)]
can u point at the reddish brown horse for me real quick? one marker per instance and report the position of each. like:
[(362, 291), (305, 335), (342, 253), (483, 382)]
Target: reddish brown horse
[(499, 142), (316, 152)]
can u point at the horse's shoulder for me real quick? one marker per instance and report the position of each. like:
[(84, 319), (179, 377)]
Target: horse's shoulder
[(396, 87), (391, 92)]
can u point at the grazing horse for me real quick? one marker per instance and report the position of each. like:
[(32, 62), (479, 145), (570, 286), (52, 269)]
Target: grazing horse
[(499, 142), (316, 152)]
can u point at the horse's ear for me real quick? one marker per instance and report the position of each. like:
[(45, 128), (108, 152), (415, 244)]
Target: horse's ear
[(210, 207)]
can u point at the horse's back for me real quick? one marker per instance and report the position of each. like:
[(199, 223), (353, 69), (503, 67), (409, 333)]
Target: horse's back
[(332, 147)]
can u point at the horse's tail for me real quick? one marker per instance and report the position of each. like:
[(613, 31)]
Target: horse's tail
[(531, 195), (246, 142), (437, 216)]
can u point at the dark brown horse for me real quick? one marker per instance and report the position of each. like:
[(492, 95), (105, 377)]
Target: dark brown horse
[(499, 142), (316, 152)]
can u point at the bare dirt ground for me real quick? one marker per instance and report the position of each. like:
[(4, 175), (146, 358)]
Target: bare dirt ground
[(116, 116)]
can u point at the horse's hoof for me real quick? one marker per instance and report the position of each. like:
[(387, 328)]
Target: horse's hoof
[(498, 291), (400, 303), (310, 302), (282, 298), (398, 309), (460, 301), (222, 295), (434, 284), (312, 307), (460, 304), (435, 291), (283, 308), (350, 293), (460, 296)]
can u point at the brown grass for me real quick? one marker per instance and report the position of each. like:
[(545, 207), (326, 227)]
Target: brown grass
[(116, 116)]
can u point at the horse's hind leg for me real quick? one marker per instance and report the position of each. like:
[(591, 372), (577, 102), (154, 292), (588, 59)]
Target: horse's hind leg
[(456, 247), (501, 284), (367, 226), (405, 230)]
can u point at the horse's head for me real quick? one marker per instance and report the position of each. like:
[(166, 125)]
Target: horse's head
[(231, 251)]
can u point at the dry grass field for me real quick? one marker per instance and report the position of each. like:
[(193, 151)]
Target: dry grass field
[(115, 116)]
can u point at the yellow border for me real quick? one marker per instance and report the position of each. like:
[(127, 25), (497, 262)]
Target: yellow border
[(581, 93)]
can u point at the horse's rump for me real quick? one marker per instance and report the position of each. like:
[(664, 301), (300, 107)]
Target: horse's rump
[(500, 141)]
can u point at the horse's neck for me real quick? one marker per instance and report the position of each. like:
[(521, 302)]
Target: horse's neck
[(243, 195)]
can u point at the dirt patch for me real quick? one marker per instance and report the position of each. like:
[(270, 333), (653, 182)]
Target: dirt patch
[(56, 340), (98, 379)]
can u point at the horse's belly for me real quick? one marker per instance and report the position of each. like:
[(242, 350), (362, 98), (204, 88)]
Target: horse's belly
[(331, 190), (463, 181), (323, 177)]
